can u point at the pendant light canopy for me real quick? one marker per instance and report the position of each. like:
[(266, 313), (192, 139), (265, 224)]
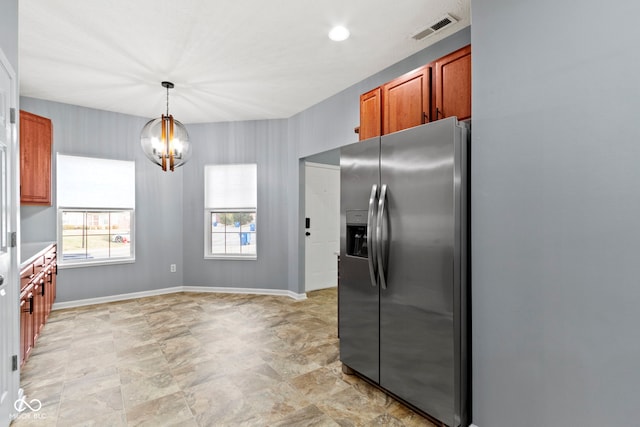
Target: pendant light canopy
[(165, 141)]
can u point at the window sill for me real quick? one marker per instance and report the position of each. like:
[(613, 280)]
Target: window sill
[(63, 265), (232, 257)]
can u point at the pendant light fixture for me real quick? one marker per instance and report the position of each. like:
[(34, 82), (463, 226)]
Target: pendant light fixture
[(165, 141)]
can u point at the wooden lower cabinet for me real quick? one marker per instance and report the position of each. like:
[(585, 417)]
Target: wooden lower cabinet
[(26, 323), (37, 294)]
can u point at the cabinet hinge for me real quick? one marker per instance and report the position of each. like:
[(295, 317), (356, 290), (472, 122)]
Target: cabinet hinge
[(13, 239), (12, 115), (14, 362)]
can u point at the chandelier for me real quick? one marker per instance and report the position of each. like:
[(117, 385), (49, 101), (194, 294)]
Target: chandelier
[(165, 141)]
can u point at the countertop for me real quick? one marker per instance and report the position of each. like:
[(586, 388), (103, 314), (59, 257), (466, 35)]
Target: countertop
[(30, 251)]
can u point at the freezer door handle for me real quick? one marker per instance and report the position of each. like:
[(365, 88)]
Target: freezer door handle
[(371, 247), (381, 241)]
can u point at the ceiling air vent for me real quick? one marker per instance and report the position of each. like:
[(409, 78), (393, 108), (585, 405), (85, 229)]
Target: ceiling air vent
[(441, 23)]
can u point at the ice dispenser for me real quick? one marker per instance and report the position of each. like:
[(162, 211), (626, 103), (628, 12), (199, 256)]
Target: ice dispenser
[(357, 233)]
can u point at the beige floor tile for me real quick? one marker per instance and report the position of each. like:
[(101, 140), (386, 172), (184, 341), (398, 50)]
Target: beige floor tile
[(163, 411), (318, 384), (146, 389), (84, 409), (310, 416), (204, 360)]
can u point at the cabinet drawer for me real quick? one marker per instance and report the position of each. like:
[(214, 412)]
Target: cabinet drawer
[(26, 275)]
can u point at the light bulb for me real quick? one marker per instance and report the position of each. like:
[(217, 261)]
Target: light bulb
[(339, 33)]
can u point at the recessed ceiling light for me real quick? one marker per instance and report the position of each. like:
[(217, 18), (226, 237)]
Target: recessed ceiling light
[(339, 33)]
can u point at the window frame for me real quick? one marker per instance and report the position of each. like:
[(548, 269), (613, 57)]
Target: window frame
[(94, 185), (210, 208), (62, 263), (209, 234)]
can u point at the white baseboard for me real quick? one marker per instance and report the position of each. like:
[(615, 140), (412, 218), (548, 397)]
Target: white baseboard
[(252, 291), (113, 298), (164, 291)]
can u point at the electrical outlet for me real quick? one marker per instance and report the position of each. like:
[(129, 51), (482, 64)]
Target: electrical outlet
[(173, 268)]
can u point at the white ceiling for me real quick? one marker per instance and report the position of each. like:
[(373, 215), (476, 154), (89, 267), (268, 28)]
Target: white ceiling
[(229, 59)]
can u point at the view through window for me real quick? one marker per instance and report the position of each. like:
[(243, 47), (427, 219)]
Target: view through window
[(96, 235), (233, 233)]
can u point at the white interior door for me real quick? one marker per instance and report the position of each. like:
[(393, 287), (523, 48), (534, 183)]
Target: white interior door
[(9, 326), (322, 241)]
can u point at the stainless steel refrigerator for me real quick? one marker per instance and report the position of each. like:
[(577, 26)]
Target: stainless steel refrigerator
[(403, 287)]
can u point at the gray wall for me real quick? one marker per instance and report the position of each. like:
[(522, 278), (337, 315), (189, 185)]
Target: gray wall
[(556, 203), (9, 31), (262, 142), (94, 133), (331, 157)]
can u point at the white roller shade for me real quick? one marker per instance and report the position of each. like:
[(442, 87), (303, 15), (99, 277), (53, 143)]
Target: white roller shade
[(92, 183), (230, 186)]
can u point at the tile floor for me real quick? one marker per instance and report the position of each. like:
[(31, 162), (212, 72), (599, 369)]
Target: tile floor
[(200, 359)]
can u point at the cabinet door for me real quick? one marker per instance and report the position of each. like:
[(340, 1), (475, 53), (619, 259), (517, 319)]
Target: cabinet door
[(370, 114), (24, 316), (453, 85), (407, 100), (39, 304), (50, 280), (26, 324), (35, 159)]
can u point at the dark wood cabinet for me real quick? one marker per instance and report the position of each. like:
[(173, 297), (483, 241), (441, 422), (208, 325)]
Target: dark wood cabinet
[(407, 100), (453, 85), (37, 294), (371, 114), (35, 159)]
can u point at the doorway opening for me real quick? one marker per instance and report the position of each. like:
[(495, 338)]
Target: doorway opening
[(322, 220)]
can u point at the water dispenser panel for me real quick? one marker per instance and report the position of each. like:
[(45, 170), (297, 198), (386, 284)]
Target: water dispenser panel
[(357, 233)]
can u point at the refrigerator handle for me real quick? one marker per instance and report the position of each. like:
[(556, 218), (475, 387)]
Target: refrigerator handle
[(371, 246), (381, 250)]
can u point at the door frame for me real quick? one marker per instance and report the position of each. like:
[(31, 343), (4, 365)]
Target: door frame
[(11, 332), (305, 215)]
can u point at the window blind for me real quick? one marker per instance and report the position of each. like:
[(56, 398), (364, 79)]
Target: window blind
[(94, 183), (230, 186)]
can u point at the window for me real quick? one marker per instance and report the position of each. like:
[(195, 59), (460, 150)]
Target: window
[(96, 206), (230, 200)]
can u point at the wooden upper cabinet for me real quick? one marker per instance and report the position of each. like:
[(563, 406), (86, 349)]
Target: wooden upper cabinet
[(453, 85), (407, 100), (35, 159), (371, 114), (435, 91)]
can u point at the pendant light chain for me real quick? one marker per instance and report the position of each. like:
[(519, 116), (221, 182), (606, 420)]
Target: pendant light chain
[(167, 101)]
